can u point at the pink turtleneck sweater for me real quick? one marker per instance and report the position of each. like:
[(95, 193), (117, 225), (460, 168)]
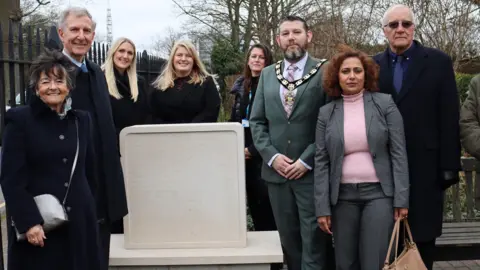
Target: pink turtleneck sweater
[(357, 162)]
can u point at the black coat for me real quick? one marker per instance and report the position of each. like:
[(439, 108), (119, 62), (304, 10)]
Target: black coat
[(38, 153), (125, 111), (186, 103), (239, 110), (429, 104), (115, 196)]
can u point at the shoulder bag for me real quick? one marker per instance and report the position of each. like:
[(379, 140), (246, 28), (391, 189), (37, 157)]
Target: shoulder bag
[(52, 211)]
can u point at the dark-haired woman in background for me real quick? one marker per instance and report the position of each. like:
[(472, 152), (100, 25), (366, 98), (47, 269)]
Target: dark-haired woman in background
[(244, 89)]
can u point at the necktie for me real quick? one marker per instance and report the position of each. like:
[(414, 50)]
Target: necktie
[(398, 74), (289, 96), (83, 67)]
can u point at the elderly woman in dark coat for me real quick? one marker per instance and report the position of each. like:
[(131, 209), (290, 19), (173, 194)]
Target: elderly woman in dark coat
[(39, 148)]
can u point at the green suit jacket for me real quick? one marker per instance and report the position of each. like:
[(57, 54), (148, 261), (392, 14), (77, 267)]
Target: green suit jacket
[(294, 136)]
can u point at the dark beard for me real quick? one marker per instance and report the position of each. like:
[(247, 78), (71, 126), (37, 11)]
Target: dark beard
[(294, 56)]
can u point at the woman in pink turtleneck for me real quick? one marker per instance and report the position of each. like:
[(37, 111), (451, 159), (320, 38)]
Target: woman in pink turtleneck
[(361, 169)]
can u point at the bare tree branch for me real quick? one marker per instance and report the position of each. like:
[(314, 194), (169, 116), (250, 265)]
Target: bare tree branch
[(39, 4), (191, 14)]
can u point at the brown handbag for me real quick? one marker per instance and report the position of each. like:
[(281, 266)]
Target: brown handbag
[(410, 257)]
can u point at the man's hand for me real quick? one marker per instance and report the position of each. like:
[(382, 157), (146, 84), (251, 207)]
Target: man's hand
[(325, 224), (248, 155), (35, 235), (280, 164), (400, 213), (295, 170)]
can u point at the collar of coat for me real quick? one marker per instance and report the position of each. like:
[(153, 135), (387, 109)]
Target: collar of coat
[(39, 107)]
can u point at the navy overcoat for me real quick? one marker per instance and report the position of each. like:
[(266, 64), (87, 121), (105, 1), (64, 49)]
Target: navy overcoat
[(38, 152)]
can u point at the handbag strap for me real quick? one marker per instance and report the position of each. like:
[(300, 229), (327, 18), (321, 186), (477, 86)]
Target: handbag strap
[(74, 163), (395, 235), (409, 232)]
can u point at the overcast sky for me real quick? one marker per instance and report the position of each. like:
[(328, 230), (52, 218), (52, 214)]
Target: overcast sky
[(140, 20)]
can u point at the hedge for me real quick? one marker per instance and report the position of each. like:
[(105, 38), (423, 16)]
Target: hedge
[(463, 80)]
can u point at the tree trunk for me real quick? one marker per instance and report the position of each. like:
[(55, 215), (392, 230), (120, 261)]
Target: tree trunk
[(9, 11)]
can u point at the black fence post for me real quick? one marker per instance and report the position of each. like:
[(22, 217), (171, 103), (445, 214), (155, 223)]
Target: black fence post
[(21, 66), (97, 52), (11, 65), (145, 63), (104, 54), (2, 84), (38, 43), (30, 44)]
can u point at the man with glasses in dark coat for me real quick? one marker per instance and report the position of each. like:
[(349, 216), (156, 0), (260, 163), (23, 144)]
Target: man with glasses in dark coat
[(422, 82)]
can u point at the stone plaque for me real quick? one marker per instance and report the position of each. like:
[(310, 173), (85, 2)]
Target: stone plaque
[(185, 186)]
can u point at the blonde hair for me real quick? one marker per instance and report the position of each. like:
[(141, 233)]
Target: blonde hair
[(109, 65), (168, 75)]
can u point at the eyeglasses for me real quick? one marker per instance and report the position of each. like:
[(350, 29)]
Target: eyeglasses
[(395, 24)]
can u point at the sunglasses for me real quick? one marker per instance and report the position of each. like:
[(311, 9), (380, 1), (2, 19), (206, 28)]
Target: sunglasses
[(395, 24)]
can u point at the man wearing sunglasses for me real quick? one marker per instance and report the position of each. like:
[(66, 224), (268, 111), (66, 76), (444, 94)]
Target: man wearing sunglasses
[(422, 82)]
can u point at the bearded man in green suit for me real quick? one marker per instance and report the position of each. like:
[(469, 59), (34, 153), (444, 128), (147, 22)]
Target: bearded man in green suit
[(284, 113)]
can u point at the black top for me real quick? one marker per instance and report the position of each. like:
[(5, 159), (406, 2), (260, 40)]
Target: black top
[(186, 103), (239, 111), (125, 111)]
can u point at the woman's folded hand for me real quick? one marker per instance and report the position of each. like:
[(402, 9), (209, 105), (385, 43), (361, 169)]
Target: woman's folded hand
[(36, 235)]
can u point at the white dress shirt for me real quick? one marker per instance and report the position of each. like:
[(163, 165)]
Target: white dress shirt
[(78, 64)]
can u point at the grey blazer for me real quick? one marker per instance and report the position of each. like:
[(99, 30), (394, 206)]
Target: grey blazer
[(273, 132), (386, 140)]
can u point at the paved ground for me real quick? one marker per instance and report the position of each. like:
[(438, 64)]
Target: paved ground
[(458, 265)]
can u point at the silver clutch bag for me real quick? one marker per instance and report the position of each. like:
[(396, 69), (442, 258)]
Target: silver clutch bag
[(52, 211)]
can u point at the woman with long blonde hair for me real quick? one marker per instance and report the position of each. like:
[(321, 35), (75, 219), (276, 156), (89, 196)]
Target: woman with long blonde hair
[(127, 89), (128, 97), (184, 92)]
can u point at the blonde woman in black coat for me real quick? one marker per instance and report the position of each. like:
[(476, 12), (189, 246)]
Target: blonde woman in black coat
[(184, 92), (127, 90)]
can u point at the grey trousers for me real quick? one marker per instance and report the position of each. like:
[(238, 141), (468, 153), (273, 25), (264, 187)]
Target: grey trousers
[(305, 244), (362, 223)]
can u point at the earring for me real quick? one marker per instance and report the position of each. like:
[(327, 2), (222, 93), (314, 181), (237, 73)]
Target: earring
[(36, 93)]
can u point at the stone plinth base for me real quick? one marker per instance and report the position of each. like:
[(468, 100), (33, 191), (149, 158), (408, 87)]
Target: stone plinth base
[(263, 248)]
